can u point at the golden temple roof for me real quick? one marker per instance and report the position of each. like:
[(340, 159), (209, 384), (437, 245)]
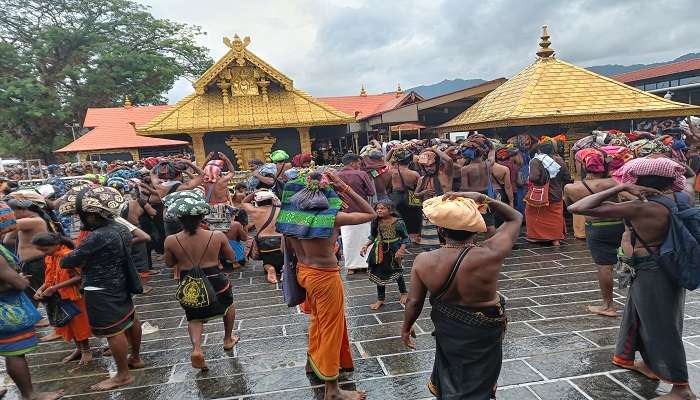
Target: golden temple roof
[(551, 91), (240, 92)]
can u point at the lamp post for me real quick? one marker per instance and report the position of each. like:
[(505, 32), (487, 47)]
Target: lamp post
[(72, 129)]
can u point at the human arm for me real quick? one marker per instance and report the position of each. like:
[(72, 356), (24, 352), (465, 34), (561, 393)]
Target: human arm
[(446, 160), (196, 179), (30, 224), (426, 193), (226, 249), (596, 205), (229, 165), (91, 245), (405, 238), (49, 291), (509, 187), (414, 303), (140, 236), (149, 210), (170, 258), (263, 179), (11, 278), (366, 212)]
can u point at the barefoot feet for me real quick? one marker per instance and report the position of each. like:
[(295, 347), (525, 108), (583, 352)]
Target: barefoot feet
[(50, 338), (641, 367), (607, 311), (136, 362), (85, 357), (377, 305), (113, 382), (47, 395), (346, 395), (271, 275), (230, 343), (72, 356), (197, 359)]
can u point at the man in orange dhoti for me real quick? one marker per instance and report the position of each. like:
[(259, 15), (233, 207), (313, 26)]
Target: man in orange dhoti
[(310, 219)]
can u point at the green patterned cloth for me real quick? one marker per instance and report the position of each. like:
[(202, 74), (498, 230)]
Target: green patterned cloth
[(307, 224), (186, 202)]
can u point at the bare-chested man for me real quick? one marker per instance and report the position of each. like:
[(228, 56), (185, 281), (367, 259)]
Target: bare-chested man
[(216, 185), (475, 178), (262, 208), (653, 319), (603, 235), (437, 168), (403, 180), (318, 272), (27, 205), (166, 178), (462, 278)]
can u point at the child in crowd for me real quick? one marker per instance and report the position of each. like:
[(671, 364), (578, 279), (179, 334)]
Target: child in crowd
[(65, 282), (388, 238)]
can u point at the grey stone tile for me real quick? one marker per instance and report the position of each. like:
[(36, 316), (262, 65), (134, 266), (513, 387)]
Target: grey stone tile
[(560, 390), (601, 387), (572, 324), (570, 364)]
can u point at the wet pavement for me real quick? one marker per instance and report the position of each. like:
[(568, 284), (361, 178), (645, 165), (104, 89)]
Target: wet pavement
[(553, 349)]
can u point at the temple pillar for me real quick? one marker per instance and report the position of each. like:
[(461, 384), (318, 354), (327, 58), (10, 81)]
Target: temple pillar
[(198, 147), (304, 139), (82, 157), (134, 154), (250, 147)]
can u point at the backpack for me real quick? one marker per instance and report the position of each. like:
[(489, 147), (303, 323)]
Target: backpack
[(679, 254), (538, 191)]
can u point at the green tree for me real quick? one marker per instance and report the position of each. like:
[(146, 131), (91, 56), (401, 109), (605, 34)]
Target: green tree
[(59, 57)]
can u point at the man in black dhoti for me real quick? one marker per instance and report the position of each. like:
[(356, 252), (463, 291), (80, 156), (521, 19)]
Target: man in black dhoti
[(652, 323), (468, 314)]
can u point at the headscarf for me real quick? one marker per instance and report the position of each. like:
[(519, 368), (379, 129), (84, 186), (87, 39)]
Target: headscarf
[(652, 166), (212, 171), (459, 214), (105, 201), (279, 156), (266, 194), (186, 203), (592, 160), (300, 159), (8, 221)]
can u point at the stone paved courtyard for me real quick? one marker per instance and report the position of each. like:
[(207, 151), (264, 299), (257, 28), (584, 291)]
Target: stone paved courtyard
[(553, 348)]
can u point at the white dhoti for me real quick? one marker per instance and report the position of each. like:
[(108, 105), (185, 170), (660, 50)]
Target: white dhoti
[(354, 237)]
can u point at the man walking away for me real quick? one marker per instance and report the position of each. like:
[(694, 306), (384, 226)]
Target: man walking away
[(653, 319), (263, 214), (354, 236), (462, 278)]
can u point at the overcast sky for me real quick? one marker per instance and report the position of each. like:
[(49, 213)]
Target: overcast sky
[(331, 47)]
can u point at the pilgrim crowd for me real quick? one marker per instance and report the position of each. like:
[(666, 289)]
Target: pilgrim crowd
[(75, 253)]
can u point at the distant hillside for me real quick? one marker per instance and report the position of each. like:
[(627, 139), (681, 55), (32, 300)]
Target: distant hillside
[(451, 85), (616, 69), (446, 86)]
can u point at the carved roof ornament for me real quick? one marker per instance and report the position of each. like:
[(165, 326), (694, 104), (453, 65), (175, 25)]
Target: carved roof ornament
[(363, 92), (399, 91), (238, 46), (127, 102), (545, 51)]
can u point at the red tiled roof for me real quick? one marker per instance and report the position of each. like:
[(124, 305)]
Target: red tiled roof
[(663, 70), (112, 130), (368, 105)]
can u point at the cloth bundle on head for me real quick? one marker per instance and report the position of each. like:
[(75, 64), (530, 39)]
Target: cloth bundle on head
[(402, 154), (665, 167), (124, 173), (427, 158), (279, 156), (186, 203), (268, 170), (645, 147), (617, 156), (166, 170), (266, 194), (304, 223), (505, 151), (150, 162), (300, 159), (26, 198), (549, 164), (117, 183), (8, 221), (46, 191), (96, 199), (522, 141), (58, 184), (592, 160), (212, 171), (459, 214)]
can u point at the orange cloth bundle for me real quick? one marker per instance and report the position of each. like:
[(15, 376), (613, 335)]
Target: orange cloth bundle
[(459, 214)]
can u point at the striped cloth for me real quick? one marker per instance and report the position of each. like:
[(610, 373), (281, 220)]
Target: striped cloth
[(652, 166), (8, 222), (303, 224)]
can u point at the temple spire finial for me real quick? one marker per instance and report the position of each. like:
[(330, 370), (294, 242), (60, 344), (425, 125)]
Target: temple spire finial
[(399, 91), (545, 51), (363, 92), (127, 102)]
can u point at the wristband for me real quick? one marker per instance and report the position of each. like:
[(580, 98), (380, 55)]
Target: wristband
[(485, 200)]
